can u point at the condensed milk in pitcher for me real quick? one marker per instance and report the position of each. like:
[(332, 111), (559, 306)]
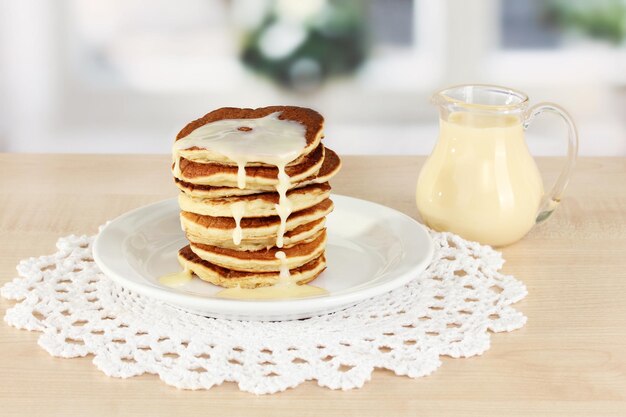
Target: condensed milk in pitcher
[(480, 181)]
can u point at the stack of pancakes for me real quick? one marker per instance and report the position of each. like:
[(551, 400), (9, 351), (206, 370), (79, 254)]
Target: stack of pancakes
[(224, 254)]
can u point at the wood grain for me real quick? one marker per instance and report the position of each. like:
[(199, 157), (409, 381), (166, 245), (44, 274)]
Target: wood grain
[(569, 360)]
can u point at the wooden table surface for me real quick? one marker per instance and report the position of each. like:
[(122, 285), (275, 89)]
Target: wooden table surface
[(569, 360)]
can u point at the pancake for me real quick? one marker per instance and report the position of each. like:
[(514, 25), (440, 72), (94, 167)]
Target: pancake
[(256, 205), (330, 166), (253, 228), (264, 178), (263, 260), (276, 156), (228, 278), (310, 119), (301, 233)]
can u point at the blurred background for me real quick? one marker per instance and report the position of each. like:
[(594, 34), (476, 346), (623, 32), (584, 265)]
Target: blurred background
[(125, 75)]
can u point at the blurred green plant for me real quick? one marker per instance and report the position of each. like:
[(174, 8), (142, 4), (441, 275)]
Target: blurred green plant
[(598, 19), (300, 44)]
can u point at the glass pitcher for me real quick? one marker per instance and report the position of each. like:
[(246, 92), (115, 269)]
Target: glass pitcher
[(480, 181)]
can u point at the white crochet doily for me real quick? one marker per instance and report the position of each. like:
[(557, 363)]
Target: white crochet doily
[(447, 310)]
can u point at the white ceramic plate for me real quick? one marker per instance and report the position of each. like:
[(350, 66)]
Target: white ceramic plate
[(371, 249)]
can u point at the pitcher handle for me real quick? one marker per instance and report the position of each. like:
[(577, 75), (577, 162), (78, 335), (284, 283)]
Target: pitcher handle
[(552, 199)]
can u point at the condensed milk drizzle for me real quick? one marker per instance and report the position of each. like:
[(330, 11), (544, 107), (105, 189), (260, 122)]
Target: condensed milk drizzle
[(238, 210), (176, 165), (268, 140), (284, 274), (284, 206)]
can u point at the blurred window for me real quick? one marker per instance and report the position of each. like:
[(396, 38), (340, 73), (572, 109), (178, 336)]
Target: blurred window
[(147, 44), (161, 45), (392, 22), (571, 42), (539, 24), (146, 65), (527, 24)]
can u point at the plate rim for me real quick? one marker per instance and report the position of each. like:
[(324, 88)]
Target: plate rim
[(288, 307)]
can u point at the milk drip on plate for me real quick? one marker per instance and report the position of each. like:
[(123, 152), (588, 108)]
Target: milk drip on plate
[(176, 279)]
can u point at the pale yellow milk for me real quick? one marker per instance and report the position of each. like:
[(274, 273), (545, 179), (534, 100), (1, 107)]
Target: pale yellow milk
[(480, 181)]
